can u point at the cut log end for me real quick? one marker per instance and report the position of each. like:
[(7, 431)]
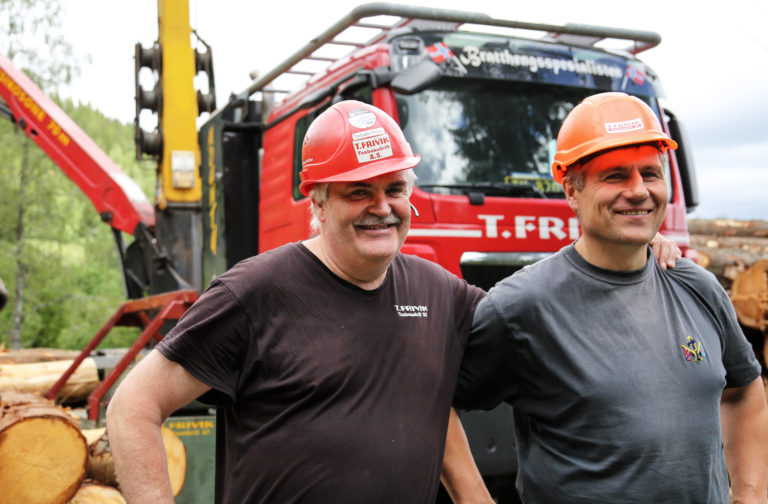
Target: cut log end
[(101, 467), (39, 443), (92, 493)]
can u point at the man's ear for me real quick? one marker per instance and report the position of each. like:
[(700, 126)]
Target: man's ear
[(319, 210), (570, 194)]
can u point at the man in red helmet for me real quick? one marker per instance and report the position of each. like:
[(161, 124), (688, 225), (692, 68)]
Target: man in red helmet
[(332, 361), (619, 374)]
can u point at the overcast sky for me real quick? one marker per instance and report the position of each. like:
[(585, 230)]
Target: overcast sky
[(712, 61)]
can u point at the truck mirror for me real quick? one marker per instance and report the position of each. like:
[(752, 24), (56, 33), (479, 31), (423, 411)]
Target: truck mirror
[(417, 77), (685, 162)]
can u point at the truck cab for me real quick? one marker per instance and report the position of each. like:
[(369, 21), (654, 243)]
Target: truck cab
[(483, 110)]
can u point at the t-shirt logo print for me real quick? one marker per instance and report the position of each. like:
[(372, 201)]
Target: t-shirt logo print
[(693, 351), (412, 310)]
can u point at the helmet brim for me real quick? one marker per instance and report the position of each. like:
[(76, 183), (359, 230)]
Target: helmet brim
[(559, 167), (369, 171)]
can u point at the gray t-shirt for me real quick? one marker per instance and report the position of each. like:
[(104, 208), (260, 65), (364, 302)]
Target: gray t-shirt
[(615, 379)]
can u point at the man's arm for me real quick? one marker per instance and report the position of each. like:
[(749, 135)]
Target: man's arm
[(666, 251), (460, 475), (745, 434), (154, 389)]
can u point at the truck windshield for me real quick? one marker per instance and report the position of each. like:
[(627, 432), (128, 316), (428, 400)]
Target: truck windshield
[(496, 137)]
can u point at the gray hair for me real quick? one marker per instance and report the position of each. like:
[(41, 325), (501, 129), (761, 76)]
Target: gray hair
[(321, 191)]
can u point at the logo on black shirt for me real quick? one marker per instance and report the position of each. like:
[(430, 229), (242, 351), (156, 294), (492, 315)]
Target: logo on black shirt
[(412, 310)]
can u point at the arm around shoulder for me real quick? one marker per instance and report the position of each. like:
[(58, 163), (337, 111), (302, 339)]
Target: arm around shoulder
[(154, 389), (484, 379)]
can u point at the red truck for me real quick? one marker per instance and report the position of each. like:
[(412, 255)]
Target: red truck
[(481, 105), (482, 108)]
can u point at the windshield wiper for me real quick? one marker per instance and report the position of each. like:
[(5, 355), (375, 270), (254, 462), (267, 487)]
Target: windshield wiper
[(491, 187)]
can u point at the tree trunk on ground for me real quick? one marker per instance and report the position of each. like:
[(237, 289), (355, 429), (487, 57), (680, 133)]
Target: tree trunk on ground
[(42, 450), (92, 493), (101, 467), (18, 302), (41, 376)]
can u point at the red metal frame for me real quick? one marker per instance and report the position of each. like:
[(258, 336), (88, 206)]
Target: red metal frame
[(169, 306)]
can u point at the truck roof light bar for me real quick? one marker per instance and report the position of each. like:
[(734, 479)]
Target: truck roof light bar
[(587, 35)]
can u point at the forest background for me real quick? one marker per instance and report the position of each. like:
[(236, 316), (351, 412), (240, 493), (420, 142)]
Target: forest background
[(58, 261)]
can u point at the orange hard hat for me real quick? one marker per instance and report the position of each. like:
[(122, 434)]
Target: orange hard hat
[(606, 121), (353, 141)]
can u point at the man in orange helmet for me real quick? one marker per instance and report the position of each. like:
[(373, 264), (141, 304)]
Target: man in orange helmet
[(619, 373), (332, 361)]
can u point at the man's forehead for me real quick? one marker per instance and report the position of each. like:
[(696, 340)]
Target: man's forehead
[(627, 157), (386, 179)]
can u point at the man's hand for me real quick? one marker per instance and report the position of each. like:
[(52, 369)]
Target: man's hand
[(666, 251)]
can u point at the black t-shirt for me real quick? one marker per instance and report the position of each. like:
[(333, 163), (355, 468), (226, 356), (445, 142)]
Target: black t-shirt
[(327, 392)]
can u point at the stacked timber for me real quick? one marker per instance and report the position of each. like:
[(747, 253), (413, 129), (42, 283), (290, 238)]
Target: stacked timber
[(45, 456), (41, 376), (42, 450), (101, 468), (737, 253), (27, 355), (728, 247), (94, 493)]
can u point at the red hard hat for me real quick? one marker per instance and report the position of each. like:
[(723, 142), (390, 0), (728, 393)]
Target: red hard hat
[(353, 141), (605, 121)]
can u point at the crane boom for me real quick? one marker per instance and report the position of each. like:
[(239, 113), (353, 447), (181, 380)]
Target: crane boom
[(117, 198)]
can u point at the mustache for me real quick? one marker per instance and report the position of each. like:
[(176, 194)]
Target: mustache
[(375, 220)]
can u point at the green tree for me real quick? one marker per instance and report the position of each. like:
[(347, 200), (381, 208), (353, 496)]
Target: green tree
[(57, 258), (26, 25)]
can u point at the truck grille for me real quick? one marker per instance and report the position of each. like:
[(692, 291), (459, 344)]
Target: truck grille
[(484, 269)]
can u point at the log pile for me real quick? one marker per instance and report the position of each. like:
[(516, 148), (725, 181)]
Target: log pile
[(48, 459), (728, 247), (39, 377), (43, 451), (737, 253), (27, 355)]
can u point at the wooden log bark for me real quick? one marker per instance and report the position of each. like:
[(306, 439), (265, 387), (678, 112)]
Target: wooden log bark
[(749, 295), (101, 467), (728, 227), (27, 355), (39, 377), (94, 493), (42, 450)]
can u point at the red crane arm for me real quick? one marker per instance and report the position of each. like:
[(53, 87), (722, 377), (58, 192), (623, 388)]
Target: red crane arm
[(117, 198)]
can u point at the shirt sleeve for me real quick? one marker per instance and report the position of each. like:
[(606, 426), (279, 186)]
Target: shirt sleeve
[(485, 377), (738, 356), (741, 365), (210, 343)]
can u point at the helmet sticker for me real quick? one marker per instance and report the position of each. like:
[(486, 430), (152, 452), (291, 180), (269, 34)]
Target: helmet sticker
[(362, 118), (371, 145), (623, 126)]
